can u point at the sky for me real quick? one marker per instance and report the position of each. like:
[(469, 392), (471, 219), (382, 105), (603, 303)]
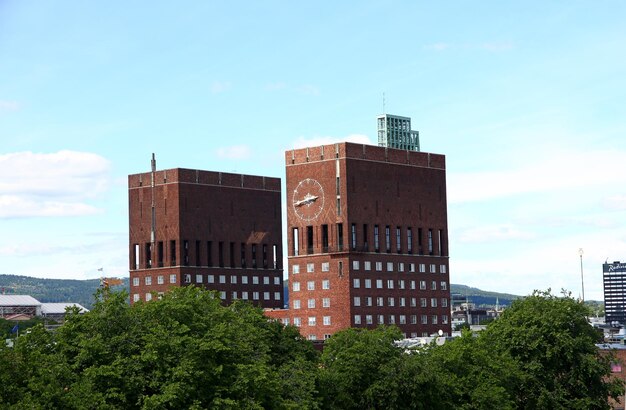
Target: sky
[(527, 100)]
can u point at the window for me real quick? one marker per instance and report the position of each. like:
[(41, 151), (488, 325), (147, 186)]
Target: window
[(430, 241), (135, 281), (233, 279), (392, 319), (324, 238), (403, 319), (325, 266), (381, 319), (444, 302), (389, 283), (295, 269), (198, 278), (310, 267), (296, 239), (136, 297), (433, 319), (365, 246), (433, 268), (296, 304), (368, 319), (388, 239), (244, 280), (312, 320), (379, 283), (398, 243), (376, 239), (401, 284), (423, 302), (400, 266), (412, 284), (411, 267), (409, 240), (244, 295), (266, 280), (148, 297), (368, 283), (433, 285), (391, 301), (311, 303), (367, 265), (148, 280), (222, 278), (368, 301), (276, 295), (326, 320), (442, 268), (210, 279), (255, 280), (422, 267), (295, 287), (444, 285), (356, 283), (326, 284), (402, 302), (353, 236), (424, 319), (433, 302), (173, 278), (297, 321), (234, 295), (379, 266), (413, 302), (357, 301), (326, 302), (276, 280), (187, 277), (310, 285), (422, 284), (444, 319), (255, 295), (357, 319), (389, 266), (413, 319), (380, 301), (355, 265)]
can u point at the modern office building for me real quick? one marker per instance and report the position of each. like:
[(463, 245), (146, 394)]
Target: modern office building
[(367, 240), (217, 230), (614, 275), (395, 132)]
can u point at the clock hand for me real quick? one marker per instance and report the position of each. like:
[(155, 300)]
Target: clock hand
[(308, 198)]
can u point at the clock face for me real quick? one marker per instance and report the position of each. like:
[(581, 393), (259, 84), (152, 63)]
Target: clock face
[(308, 199)]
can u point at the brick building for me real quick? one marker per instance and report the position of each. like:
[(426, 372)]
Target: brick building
[(367, 240), (218, 230)]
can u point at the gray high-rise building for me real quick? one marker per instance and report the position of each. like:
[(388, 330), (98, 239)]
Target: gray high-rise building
[(614, 275)]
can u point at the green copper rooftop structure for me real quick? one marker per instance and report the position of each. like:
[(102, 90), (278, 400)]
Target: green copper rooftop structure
[(395, 132)]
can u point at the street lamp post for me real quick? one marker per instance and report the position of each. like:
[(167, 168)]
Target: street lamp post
[(582, 280)]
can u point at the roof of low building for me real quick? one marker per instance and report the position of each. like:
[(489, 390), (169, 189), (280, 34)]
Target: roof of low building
[(59, 308), (18, 300)]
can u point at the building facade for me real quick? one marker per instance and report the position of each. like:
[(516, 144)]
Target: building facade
[(216, 230), (614, 278), (367, 240)]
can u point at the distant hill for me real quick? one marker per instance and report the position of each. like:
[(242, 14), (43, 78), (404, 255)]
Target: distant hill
[(52, 290)]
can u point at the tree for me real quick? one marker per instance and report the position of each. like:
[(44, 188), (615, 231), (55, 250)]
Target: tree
[(554, 345)]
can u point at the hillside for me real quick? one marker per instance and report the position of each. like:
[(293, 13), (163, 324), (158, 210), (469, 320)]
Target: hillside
[(81, 291)]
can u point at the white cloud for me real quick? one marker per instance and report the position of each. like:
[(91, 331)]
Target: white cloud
[(235, 152), (53, 184), (6, 105), (500, 232), (302, 142), (220, 86)]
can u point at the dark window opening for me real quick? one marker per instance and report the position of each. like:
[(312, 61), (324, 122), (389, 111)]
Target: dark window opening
[(376, 242), (340, 237), (220, 256), (186, 253), (209, 252), (324, 238), (430, 241), (148, 254), (353, 237), (231, 254), (160, 254), (409, 240), (309, 239), (253, 256), (365, 244), (243, 255), (172, 253), (388, 238), (420, 249), (198, 254)]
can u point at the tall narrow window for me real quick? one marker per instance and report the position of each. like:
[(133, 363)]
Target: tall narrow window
[(186, 252), (220, 255), (337, 187), (309, 239), (338, 206), (340, 266), (430, 241), (353, 237), (296, 242), (324, 238), (209, 253), (388, 238), (275, 256), (172, 253), (136, 256), (243, 255), (340, 237), (420, 249), (148, 254), (440, 243), (264, 250), (197, 261), (231, 254), (409, 240), (398, 243), (376, 243), (160, 254), (254, 256), (365, 244)]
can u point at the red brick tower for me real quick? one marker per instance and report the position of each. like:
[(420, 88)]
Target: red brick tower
[(217, 230), (368, 240)]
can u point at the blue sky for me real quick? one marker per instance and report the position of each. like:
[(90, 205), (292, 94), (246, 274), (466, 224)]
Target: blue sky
[(526, 100)]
